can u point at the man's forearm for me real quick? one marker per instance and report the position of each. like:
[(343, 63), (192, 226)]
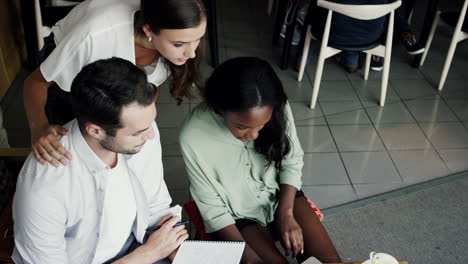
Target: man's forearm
[(138, 256)]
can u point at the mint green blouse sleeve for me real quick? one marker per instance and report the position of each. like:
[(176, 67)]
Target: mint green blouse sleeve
[(291, 166), (213, 209)]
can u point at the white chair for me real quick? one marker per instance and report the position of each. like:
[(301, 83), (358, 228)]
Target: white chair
[(41, 30), (458, 35), (362, 12)]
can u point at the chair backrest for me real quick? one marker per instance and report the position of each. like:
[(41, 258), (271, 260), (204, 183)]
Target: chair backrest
[(362, 12)]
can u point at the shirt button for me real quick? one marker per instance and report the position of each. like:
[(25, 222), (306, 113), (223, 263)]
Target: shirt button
[(247, 164), (97, 234)]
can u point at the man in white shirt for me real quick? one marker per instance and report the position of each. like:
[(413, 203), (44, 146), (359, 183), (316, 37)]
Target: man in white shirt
[(99, 206)]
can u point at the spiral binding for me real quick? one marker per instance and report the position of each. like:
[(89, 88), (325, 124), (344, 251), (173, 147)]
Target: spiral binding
[(212, 241)]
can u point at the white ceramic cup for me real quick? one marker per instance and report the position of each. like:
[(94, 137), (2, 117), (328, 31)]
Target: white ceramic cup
[(381, 258)]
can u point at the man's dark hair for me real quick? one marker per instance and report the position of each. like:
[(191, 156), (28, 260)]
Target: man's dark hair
[(103, 87)]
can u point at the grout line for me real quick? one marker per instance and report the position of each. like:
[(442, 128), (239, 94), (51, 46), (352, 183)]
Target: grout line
[(338, 151), (419, 124), (374, 125), (395, 194)]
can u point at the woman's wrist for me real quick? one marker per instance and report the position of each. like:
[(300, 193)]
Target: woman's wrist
[(285, 211), (286, 200)]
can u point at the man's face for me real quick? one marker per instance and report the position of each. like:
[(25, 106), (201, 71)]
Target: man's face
[(137, 128)]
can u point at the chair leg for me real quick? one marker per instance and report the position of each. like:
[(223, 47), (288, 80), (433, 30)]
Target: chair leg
[(269, 7), (385, 74), (318, 78), (448, 60), (39, 31), (429, 39), (367, 66), (383, 90), (305, 53)]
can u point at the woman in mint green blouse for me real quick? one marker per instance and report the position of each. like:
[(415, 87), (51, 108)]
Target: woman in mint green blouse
[(244, 162)]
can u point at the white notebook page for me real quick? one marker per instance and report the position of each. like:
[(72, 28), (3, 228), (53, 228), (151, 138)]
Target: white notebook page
[(209, 252)]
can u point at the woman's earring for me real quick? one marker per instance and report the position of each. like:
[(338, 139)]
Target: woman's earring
[(149, 39)]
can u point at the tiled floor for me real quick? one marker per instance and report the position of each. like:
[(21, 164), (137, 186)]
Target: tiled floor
[(353, 148)]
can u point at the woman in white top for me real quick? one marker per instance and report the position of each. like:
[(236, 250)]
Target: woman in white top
[(162, 37)]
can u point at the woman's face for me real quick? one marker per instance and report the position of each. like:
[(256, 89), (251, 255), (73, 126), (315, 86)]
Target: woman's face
[(178, 45), (246, 125)]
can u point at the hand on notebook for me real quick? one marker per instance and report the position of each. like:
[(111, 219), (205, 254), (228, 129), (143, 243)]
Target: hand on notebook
[(162, 242), (291, 235)]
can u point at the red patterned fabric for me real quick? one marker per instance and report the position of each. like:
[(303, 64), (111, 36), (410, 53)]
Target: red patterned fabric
[(316, 209), (194, 215)]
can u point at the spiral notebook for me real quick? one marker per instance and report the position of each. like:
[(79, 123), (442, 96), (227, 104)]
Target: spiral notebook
[(209, 252)]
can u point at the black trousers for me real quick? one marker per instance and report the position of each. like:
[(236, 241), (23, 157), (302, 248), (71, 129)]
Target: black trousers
[(401, 16)]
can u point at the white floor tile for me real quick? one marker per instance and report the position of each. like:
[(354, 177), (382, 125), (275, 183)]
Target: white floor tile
[(345, 113), (416, 166), (460, 107), (391, 113), (326, 196), (170, 141), (455, 159), (315, 139), (171, 115), (430, 110), (175, 174), (403, 136), (446, 135), (370, 167), (304, 116), (455, 89), (411, 89), (336, 91), (323, 169), (369, 92), (356, 138)]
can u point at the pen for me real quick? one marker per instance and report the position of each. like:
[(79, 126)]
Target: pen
[(154, 228)]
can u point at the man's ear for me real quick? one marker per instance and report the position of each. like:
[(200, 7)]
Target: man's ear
[(95, 131)]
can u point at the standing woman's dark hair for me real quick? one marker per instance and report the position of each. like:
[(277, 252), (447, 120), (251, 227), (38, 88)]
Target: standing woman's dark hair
[(175, 14), (243, 83)]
